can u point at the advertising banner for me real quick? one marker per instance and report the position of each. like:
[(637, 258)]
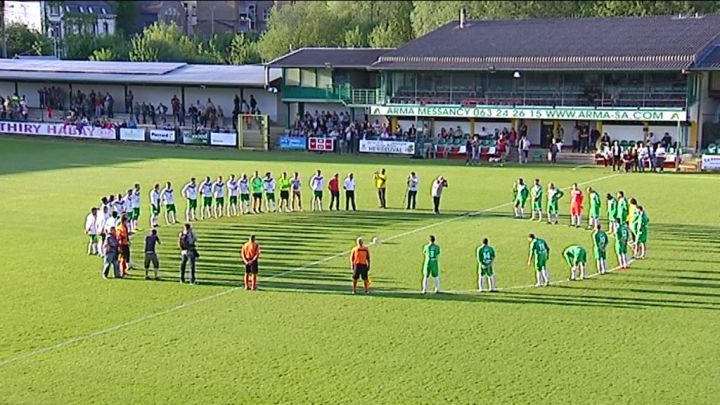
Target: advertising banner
[(56, 129), (560, 113), (132, 134), (393, 147), (189, 138), (223, 139), (321, 144), (710, 162), (293, 142), (162, 135)]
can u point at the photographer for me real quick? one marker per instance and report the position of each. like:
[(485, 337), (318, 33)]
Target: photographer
[(437, 188)]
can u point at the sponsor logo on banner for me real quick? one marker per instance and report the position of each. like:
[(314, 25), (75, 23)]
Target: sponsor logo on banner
[(162, 135), (56, 129), (189, 138), (132, 134), (293, 142), (393, 147), (223, 139), (321, 144), (563, 113), (710, 162)]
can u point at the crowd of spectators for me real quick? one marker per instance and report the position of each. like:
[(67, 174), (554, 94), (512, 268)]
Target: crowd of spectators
[(13, 108)]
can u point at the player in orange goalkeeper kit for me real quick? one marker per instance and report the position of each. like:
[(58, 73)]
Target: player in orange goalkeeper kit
[(250, 254), (360, 265)]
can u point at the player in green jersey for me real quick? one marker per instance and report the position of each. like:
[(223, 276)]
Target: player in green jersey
[(600, 242), (621, 240), (520, 192), (431, 253), (553, 195), (612, 213), (640, 230), (539, 253), (576, 258), (485, 256), (536, 194), (256, 184), (284, 185), (595, 204), (623, 208)]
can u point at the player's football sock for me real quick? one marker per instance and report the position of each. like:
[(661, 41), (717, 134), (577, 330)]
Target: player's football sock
[(491, 282), (437, 284), (425, 284), (573, 273), (480, 283), (546, 275), (583, 272), (539, 276)]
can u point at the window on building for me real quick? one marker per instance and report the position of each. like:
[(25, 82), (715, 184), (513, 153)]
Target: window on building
[(292, 77), (82, 9), (266, 14), (106, 28)]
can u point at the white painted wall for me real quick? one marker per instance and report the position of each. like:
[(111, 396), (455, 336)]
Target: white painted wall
[(154, 94), (30, 90), (635, 132), (267, 102), (220, 97), (118, 93), (533, 131), (7, 89)]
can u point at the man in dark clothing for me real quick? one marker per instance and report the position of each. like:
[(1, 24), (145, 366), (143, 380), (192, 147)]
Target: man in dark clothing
[(188, 253), (150, 255), (111, 254)]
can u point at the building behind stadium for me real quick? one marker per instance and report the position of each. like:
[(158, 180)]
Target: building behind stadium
[(624, 76)]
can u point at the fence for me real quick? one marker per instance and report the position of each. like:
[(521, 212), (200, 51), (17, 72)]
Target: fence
[(253, 132)]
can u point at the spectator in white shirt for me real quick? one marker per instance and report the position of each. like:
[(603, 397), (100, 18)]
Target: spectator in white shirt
[(437, 188), (660, 153)]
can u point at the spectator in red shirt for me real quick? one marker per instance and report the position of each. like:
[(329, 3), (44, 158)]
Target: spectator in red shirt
[(334, 187), (502, 148)]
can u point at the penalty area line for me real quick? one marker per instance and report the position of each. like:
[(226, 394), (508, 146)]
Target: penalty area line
[(153, 315)]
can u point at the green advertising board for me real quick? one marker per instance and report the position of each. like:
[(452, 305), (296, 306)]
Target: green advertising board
[(190, 138)]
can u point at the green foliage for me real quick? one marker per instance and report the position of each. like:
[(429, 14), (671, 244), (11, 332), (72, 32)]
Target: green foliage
[(242, 50), (82, 46), (355, 38), (161, 42), (388, 35), (23, 41), (127, 13), (102, 55)]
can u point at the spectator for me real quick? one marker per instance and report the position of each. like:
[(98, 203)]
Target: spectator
[(111, 249), (660, 154), (554, 150), (129, 98), (666, 140), (253, 104), (616, 154), (188, 253)]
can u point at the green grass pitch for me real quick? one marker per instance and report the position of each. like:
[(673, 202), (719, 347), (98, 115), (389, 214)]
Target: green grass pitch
[(648, 335)]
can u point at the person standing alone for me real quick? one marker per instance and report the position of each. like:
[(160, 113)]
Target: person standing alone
[(431, 268), (381, 185), (250, 253), (188, 253), (412, 188), (151, 255), (334, 188), (437, 188), (349, 186), (360, 265)]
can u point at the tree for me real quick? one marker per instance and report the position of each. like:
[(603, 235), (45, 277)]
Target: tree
[(126, 16), (80, 47), (388, 35), (162, 42), (242, 50), (23, 41), (102, 54), (355, 38)]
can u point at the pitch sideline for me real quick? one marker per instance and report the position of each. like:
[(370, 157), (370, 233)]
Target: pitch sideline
[(101, 332)]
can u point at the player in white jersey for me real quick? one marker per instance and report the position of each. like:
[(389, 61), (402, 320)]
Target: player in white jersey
[(244, 186), (232, 185), (128, 203), (219, 191), (91, 230), (316, 184), (269, 189), (154, 205), (206, 190), (190, 192), (168, 197), (120, 207), (103, 216), (135, 203), (296, 187)]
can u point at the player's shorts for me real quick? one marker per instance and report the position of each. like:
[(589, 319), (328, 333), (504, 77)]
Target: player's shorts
[(220, 201), (540, 263), (581, 258), (486, 270), (207, 201), (641, 236), (251, 268), (553, 208), (151, 258), (600, 254), (595, 212), (360, 271), (257, 196), (430, 270), (135, 213), (233, 200), (284, 194), (192, 204), (537, 205), (169, 207), (93, 238), (155, 209), (318, 194), (270, 196), (296, 192), (244, 197), (620, 249), (520, 202), (576, 210)]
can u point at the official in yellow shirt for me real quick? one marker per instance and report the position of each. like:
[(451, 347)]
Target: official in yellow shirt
[(380, 184)]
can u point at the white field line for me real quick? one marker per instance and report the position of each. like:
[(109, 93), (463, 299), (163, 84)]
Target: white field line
[(105, 331)]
